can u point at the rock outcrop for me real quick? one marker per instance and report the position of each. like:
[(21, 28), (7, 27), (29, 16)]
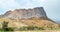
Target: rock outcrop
[(25, 13)]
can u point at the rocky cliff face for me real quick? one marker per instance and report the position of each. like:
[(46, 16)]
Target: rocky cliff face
[(25, 13)]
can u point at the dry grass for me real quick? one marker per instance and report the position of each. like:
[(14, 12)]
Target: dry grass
[(28, 22)]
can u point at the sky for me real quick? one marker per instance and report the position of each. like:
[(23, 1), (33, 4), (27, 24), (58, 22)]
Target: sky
[(51, 7)]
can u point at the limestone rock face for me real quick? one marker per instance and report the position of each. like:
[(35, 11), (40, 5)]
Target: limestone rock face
[(25, 13)]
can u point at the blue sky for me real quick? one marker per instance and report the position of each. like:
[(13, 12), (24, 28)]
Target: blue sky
[(52, 7)]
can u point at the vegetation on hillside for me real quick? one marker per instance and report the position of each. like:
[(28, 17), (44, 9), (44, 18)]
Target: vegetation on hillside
[(31, 28), (24, 28), (5, 27)]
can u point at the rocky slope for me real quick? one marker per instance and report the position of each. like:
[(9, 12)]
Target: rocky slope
[(28, 17)]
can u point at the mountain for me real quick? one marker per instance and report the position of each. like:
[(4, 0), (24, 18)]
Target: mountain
[(28, 17), (25, 13)]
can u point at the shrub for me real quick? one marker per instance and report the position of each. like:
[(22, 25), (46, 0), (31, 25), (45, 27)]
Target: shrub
[(5, 27), (31, 28), (10, 29)]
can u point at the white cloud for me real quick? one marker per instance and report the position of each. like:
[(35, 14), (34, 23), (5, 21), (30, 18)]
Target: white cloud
[(30, 3), (14, 4), (9, 4)]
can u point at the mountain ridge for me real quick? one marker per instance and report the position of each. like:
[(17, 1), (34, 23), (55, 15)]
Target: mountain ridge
[(26, 13)]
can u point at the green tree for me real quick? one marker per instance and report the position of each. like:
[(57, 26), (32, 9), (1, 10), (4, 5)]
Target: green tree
[(5, 25)]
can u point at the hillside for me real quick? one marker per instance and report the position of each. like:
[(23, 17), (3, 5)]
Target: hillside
[(28, 17)]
